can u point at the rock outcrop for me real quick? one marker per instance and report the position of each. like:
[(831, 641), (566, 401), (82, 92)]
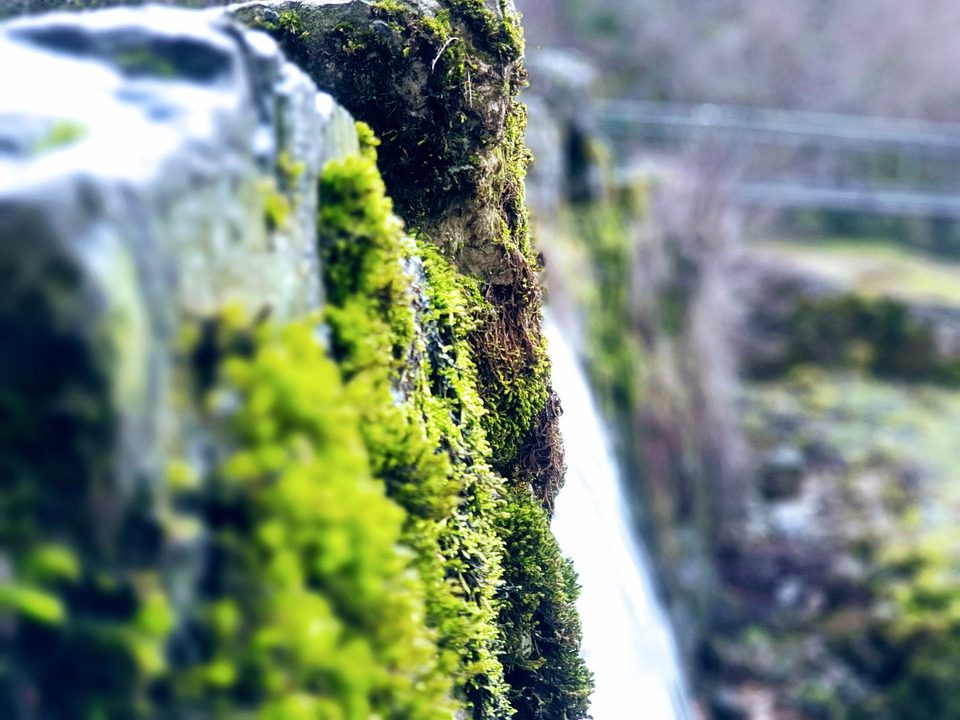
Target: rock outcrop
[(274, 442), (438, 84)]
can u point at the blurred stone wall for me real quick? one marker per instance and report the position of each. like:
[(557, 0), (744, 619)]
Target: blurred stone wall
[(161, 172)]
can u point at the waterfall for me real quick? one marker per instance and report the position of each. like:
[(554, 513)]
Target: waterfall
[(627, 639)]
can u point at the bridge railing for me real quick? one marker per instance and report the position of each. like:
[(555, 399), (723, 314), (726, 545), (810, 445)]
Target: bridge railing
[(789, 158)]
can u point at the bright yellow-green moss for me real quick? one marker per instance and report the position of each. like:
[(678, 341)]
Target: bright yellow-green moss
[(547, 677), (405, 362), (308, 607), (402, 319)]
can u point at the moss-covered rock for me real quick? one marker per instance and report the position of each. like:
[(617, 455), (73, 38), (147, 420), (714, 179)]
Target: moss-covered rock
[(401, 318), (547, 677), (347, 527), (437, 83), (409, 403), (109, 242)]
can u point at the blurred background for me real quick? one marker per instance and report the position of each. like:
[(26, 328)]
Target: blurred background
[(766, 194)]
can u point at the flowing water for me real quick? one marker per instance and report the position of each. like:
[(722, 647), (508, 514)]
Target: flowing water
[(627, 639)]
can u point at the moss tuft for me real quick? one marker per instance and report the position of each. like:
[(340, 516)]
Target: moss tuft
[(547, 677), (403, 322), (307, 606), (405, 361)]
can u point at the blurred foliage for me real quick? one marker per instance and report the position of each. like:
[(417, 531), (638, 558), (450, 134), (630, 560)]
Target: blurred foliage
[(920, 624), (883, 57), (937, 236), (877, 335), (890, 454), (860, 417), (375, 339), (613, 355), (592, 243)]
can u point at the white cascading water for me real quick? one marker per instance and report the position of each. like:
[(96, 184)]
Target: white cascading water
[(627, 639)]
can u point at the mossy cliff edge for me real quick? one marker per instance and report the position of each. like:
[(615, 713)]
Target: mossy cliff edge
[(332, 509), (437, 83)]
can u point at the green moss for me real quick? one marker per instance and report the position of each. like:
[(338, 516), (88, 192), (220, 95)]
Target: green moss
[(547, 677), (510, 349), (369, 54), (289, 170), (916, 633), (420, 424), (403, 321), (367, 140), (290, 22), (307, 606), (32, 604), (307, 592)]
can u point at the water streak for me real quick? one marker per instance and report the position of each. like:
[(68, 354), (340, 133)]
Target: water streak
[(627, 640)]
